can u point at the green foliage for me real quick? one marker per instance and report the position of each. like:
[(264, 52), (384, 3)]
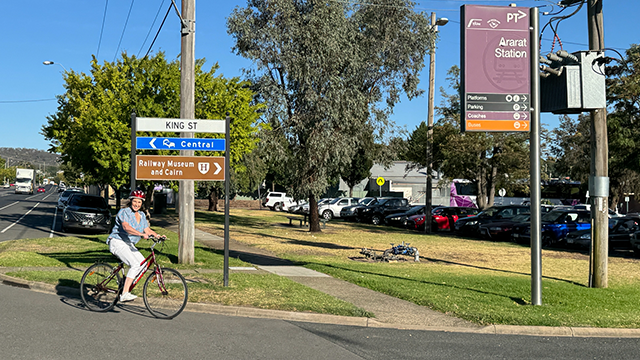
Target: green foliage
[(330, 72), (92, 126), (488, 160)]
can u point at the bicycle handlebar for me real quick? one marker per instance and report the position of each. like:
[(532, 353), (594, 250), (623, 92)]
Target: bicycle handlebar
[(157, 239)]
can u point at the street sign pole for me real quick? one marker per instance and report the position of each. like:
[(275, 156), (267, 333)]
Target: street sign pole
[(133, 151), (536, 245), (226, 200)]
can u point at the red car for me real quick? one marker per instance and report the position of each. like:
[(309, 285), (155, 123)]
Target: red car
[(442, 217), (41, 189)]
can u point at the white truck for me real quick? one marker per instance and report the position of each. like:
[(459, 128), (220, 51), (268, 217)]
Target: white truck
[(25, 181)]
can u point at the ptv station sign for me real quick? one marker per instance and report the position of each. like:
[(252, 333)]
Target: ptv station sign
[(496, 68)]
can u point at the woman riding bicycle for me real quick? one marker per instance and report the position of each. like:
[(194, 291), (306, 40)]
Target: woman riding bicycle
[(131, 225)]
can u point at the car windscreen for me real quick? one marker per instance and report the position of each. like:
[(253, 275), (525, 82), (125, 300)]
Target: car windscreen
[(366, 201), (415, 209), (334, 201), (489, 212), (88, 201), (552, 216)]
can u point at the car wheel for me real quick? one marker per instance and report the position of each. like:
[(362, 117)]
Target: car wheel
[(327, 214), (376, 220), (546, 241), (277, 207)]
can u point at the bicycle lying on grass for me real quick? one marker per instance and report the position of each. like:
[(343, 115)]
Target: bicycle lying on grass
[(165, 290)]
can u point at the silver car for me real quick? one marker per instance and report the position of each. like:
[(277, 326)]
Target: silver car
[(332, 208)]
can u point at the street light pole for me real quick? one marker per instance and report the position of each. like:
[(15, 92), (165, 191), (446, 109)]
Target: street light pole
[(432, 87), (51, 63)]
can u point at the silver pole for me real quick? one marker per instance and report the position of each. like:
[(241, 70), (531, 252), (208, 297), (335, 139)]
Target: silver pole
[(133, 151), (536, 248), (227, 157)]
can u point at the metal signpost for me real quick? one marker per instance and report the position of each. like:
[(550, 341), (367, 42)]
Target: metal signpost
[(203, 168), (380, 182), (500, 90)]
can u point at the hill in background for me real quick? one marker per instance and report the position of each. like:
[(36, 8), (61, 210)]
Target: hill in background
[(20, 156)]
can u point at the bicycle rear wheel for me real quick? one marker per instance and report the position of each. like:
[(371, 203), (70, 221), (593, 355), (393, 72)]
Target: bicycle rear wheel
[(99, 287), (165, 296)]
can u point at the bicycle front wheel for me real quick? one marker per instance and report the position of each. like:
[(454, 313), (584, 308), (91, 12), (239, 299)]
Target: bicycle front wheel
[(165, 296), (99, 287)]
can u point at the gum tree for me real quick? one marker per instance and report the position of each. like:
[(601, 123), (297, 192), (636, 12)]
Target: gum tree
[(329, 72)]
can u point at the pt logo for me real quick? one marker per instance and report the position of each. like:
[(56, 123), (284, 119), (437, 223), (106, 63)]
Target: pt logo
[(204, 167)]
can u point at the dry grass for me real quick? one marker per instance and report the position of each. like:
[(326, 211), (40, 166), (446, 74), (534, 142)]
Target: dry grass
[(343, 240)]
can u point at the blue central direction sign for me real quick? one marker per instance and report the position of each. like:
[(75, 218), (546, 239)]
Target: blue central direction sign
[(165, 143)]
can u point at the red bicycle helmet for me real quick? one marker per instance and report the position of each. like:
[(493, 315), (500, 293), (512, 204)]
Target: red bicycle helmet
[(137, 194)]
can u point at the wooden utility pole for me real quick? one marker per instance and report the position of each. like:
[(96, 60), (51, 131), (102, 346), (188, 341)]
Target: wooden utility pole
[(186, 198), (429, 185), (598, 179)]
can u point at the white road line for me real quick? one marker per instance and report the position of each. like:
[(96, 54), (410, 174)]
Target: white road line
[(9, 205), (22, 217), (53, 226)]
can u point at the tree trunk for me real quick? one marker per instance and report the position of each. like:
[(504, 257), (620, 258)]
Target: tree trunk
[(148, 193), (213, 199), (491, 185), (350, 191), (482, 195), (314, 218)]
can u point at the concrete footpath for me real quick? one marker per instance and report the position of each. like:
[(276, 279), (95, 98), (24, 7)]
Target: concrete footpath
[(390, 312)]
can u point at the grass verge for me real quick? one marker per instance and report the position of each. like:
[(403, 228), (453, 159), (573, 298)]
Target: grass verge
[(481, 281), (61, 262)]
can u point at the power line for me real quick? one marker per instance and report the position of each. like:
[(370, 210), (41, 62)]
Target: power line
[(151, 28), (104, 17), (123, 30), (158, 32)]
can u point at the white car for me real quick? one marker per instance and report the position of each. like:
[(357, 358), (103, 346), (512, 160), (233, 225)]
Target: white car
[(331, 209), (277, 201)]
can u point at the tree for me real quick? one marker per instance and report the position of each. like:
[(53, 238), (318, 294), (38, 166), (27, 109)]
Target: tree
[(91, 128), (329, 72), (486, 159)]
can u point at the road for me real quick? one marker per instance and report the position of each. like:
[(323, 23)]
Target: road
[(39, 325), (28, 216)]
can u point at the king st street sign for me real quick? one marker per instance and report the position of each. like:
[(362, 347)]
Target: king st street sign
[(158, 167)]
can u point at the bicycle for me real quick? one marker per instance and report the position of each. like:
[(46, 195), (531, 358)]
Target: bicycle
[(402, 249), (164, 293)]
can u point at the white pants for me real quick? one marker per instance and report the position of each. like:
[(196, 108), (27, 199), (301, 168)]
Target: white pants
[(128, 253)]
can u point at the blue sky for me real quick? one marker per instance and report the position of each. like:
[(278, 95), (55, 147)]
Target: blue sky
[(68, 33)]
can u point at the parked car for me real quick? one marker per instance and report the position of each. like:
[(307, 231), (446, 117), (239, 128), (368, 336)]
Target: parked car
[(305, 207), (445, 217), (501, 230), (62, 199), (296, 208), (7, 185), (471, 225), (378, 210), (62, 187), (442, 217), (402, 219), (86, 212), (277, 201), (555, 226), (349, 212), (41, 189), (331, 209), (621, 230)]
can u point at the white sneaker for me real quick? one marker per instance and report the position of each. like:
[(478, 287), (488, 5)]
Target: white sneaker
[(127, 297)]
